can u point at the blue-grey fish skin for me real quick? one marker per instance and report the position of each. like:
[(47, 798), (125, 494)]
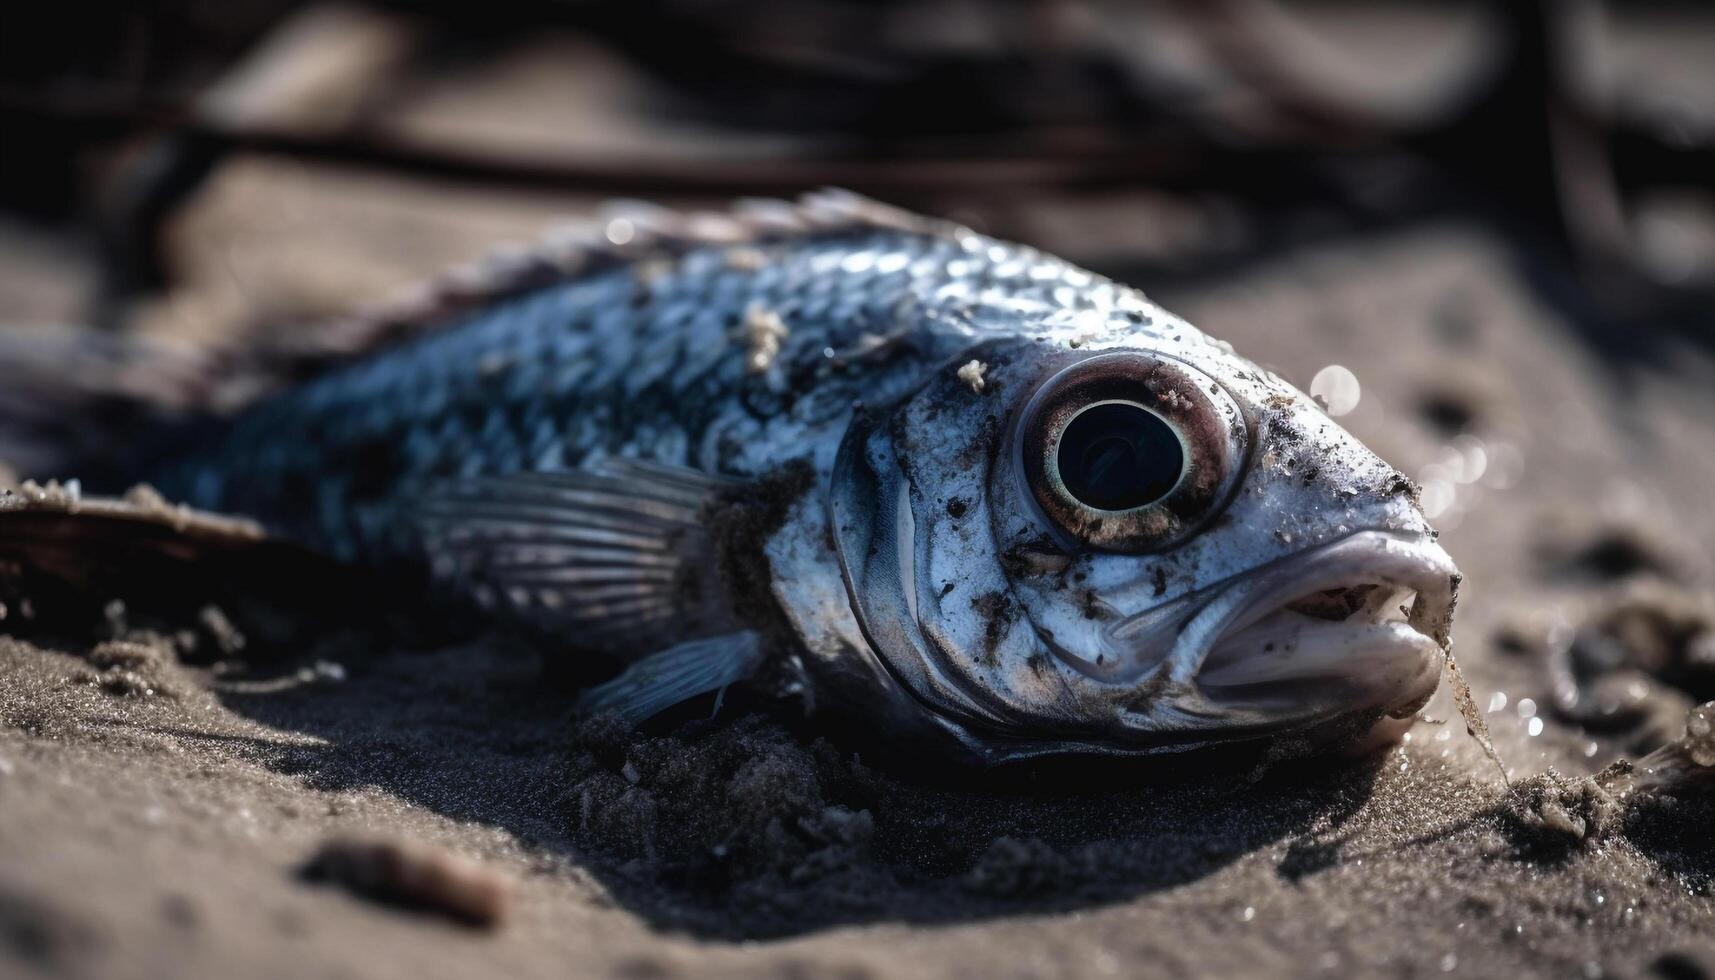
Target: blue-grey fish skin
[(647, 360), (938, 577)]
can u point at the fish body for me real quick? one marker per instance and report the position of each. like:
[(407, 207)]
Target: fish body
[(965, 490)]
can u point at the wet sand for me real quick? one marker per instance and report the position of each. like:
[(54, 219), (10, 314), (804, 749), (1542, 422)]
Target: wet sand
[(162, 797)]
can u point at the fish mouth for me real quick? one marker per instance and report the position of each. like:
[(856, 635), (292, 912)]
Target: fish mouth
[(1356, 624)]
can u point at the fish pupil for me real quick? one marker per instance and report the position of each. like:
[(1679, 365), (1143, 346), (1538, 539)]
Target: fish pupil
[(1117, 456)]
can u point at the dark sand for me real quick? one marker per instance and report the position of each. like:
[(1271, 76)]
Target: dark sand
[(161, 798)]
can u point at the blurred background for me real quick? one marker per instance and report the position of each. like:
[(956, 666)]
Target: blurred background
[(181, 163)]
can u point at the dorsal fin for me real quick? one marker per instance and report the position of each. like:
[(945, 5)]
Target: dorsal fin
[(68, 396), (626, 232)]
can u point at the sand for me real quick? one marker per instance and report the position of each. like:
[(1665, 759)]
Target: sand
[(164, 790)]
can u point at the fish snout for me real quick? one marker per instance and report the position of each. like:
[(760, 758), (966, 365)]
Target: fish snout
[(1359, 624)]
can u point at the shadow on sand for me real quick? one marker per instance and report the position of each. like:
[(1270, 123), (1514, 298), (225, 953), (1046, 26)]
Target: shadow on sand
[(742, 827)]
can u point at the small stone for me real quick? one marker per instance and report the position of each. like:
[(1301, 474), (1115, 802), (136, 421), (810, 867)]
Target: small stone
[(226, 636), (414, 875)]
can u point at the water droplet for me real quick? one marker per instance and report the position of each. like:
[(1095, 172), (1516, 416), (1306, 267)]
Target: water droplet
[(1249, 913), (1497, 701), (1336, 388), (620, 231), (1526, 708), (1473, 457), (1534, 727)]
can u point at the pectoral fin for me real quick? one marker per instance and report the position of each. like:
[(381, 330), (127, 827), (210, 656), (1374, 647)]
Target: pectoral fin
[(657, 682), (619, 558)]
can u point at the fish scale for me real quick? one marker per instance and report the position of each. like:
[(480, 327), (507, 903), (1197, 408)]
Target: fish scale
[(503, 389)]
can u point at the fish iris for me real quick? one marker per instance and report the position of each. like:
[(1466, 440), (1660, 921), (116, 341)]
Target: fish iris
[(1117, 456)]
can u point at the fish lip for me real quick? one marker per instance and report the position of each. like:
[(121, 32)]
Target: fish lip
[(1208, 683)]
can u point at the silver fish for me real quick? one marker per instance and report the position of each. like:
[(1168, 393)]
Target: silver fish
[(975, 496)]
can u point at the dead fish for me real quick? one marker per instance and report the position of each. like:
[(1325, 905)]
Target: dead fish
[(962, 490)]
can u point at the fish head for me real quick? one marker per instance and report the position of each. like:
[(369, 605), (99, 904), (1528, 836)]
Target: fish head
[(1142, 543)]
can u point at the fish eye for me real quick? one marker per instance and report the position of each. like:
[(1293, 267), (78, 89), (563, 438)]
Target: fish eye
[(1129, 451), (1119, 455)]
